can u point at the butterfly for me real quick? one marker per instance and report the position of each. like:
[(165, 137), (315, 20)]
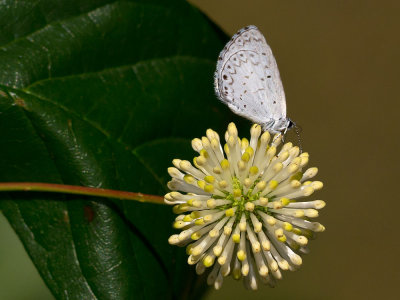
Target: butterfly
[(247, 80)]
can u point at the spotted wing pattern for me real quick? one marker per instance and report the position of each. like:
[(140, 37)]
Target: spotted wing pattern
[(247, 78)]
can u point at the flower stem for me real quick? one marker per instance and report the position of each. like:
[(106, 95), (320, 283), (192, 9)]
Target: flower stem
[(78, 190)]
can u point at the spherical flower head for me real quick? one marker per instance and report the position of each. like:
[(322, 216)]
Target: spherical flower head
[(240, 206)]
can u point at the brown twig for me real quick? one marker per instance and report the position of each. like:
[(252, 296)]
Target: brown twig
[(78, 190)]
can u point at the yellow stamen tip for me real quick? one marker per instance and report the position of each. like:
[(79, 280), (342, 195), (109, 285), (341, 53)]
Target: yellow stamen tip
[(302, 240), (241, 165), (230, 212), (263, 201), (249, 206), (266, 245), (295, 183), (227, 230), (304, 161), (204, 153), (265, 137), (253, 170), (179, 224), (232, 129), (308, 191), (293, 168), (176, 209), (296, 231), (196, 203), (294, 246), (194, 214), (187, 218), (287, 226), (226, 149), (195, 162), (250, 151), (231, 141), (222, 260), (201, 160), (285, 201), (311, 213), (223, 184), (317, 185), (199, 221), (244, 143), (246, 156), (256, 247), (189, 179), (209, 188), (304, 154), (195, 236), (201, 184), (263, 271), (273, 184), (217, 170), (196, 251), (237, 274), (208, 261), (277, 167), (255, 130), (209, 179), (258, 227), (282, 238), (319, 204), (283, 156), (225, 164), (197, 145), (242, 226), (213, 233), (247, 182), (207, 218), (271, 220), (176, 162), (261, 185), (296, 176), (296, 161), (236, 238), (241, 255), (217, 250), (211, 203), (237, 193)]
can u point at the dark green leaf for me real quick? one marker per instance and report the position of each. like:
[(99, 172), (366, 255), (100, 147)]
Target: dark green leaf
[(103, 94)]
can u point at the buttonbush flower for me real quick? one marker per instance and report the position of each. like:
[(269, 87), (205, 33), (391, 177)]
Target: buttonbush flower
[(240, 207)]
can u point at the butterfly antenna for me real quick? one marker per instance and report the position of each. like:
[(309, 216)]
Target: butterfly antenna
[(297, 129)]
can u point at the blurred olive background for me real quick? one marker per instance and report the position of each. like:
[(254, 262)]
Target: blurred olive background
[(339, 62)]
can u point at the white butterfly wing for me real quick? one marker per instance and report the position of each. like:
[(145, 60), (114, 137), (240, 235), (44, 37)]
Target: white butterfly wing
[(247, 78)]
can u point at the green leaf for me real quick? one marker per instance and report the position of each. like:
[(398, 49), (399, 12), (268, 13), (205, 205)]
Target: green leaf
[(103, 94)]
